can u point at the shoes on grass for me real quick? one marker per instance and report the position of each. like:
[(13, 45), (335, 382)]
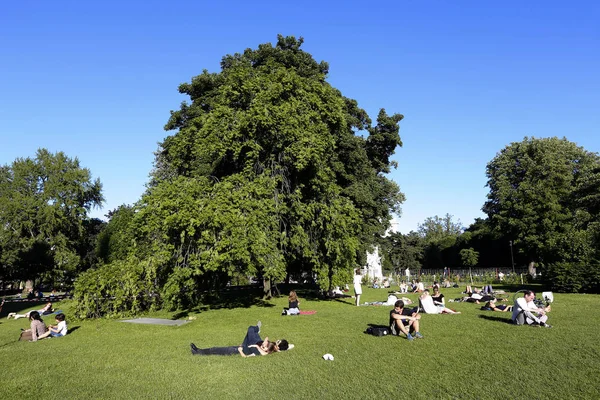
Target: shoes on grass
[(418, 335), (410, 337)]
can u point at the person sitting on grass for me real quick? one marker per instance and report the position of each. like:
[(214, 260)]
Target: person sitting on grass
[(293, 304), (47, 309), (37, 328), (403, 287), (491, 306), (252, 345), (418, 288), (58, 330), (404, 321), (429, 307), (524, 309), (438, 297)]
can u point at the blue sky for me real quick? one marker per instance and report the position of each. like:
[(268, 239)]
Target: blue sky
[(98, 80)]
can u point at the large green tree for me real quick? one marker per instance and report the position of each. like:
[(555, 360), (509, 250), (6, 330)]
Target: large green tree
[(542, 196), (269, 128), (44, 202), (270, 171)]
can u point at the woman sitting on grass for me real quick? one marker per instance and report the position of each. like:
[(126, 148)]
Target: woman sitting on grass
[(429, 307), (37, 328), (438, 298), (293, 304)]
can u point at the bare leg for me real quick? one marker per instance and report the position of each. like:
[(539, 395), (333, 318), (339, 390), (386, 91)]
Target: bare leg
[(357, 299)]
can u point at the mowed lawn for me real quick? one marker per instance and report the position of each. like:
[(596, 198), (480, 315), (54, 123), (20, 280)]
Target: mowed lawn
[(474, 355)]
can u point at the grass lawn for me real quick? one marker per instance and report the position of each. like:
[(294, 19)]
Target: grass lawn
[(474, 355)]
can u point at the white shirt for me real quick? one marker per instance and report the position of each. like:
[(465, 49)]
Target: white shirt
[(522, 304), (428, 306), (62, 327)]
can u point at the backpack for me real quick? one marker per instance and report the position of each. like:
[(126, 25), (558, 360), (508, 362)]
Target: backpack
[(378, 331)]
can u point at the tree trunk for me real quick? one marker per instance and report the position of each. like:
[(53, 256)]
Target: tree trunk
[(267, 294)]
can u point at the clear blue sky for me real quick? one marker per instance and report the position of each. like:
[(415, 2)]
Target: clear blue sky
[(97, 80)]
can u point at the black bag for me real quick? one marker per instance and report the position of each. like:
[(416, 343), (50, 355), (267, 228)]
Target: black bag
[(378, 331)]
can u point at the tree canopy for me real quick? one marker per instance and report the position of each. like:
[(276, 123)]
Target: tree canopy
[(543, 195), (44, 227)]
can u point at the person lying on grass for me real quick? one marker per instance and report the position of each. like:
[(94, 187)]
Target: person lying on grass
[(252, 345), (47, 309), (404, 321), (429, 307), (491, 306)]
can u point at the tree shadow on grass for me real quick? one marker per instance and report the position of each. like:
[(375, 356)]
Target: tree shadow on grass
[(243, 297), (497, 319)]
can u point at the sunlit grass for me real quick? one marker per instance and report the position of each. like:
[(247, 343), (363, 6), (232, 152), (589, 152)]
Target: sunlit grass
[(474, 355)]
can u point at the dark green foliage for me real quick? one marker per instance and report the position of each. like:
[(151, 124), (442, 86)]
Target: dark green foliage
[(403, 251), (115, 240), (573, 277), (469, 257), (533, 197)]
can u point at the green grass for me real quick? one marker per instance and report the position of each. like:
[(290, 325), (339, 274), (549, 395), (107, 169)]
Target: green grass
[(475, 355)]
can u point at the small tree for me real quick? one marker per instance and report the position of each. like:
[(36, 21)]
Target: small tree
[(469, 257)]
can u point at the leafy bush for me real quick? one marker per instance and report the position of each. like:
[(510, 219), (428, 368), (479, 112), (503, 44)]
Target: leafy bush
[(571, 277), (116, 289)]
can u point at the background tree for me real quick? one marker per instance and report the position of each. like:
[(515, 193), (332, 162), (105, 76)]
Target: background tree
[(440, 235), (116, 239), (403, 251), (469, 257), (44, 203), (542, 195)]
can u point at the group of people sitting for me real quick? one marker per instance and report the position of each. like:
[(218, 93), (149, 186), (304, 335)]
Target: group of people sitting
[(38, 329), (524, 311), (415, 286)]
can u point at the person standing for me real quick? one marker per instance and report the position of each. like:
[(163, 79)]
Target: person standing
[(357, 286)]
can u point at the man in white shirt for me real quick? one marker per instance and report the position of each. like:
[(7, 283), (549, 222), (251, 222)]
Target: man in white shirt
[(524, 310)]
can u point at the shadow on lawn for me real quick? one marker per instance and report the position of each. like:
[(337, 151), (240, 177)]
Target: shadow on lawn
[(496, 319), (73, 329)]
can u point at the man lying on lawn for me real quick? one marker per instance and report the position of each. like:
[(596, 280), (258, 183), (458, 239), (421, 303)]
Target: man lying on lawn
[(252, 345)]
